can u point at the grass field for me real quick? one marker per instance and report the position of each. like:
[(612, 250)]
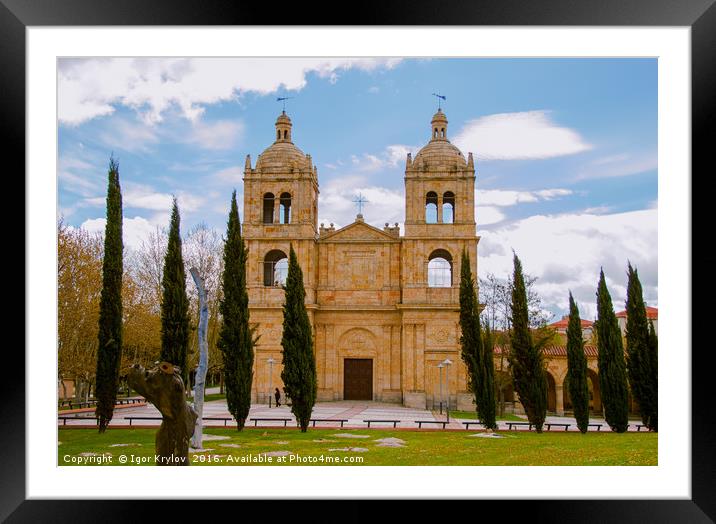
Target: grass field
[(211, 396), (434, 448)]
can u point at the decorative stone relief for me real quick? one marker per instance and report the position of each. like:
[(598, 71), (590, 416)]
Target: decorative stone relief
[(441, 335)]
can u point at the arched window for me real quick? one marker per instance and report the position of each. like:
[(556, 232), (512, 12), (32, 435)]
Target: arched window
[(285, 134), (442, 132), (435, 132), (275, 268), (278, 134), (440, 269), (431, 207), (268, 208), (448, 207), (285, 208)]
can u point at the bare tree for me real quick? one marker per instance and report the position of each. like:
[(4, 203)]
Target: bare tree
[(495, 296), (147, 264), (204, 250)]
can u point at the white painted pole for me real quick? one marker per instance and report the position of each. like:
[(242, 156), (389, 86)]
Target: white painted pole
[(440, 367)]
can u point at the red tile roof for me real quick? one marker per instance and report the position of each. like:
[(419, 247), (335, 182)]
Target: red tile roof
[(565, 322), (652, 313), (559, 351)]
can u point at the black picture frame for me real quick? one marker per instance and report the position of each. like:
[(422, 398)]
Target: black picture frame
[(699, 15)]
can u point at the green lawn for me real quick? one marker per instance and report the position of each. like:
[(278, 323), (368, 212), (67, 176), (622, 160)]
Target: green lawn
[(210, 397), (434, 448)]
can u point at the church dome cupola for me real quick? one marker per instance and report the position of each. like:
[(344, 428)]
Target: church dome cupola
[(439, 126), (283, 156), (283, 128), (438, 154)]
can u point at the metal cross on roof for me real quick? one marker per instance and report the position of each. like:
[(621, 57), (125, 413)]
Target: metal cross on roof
[(360, 200)]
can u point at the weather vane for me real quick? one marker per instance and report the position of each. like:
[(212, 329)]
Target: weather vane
[(360, 200), (283, 99), (440, 97)]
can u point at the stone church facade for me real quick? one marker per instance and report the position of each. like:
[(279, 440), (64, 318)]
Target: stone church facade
[(384, 306)]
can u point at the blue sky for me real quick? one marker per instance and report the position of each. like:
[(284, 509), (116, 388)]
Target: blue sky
[(566, 149)]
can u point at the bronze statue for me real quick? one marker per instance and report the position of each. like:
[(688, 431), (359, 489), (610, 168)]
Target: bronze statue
[(163, 386)]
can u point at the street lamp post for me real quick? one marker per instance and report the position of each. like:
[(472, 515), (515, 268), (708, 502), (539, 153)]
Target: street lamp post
[(447, 363), (440, 367), (270, 363)]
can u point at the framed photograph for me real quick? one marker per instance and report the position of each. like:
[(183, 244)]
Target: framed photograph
[(376, 158)]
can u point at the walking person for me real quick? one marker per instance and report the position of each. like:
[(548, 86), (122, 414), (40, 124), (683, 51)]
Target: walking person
[(277, 395)]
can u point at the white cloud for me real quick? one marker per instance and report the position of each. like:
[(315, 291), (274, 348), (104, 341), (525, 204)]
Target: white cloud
[(89, 88), (230, 175), (77, 184), (136, 135), (79, 176), (597, 210), (485, 215), (145, 197), (222, 134), (134, 230), (525, 135), (620, 165), (391, 157), (567, 251), (501, 197), (129, 136)]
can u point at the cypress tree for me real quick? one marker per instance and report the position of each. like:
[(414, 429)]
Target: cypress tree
[(639, 359), (299, 363), (577, 368), (654, 370), (471, 342), (526, 359), (109, 338), (487, 406), (612, 367), (175, 303), (236, 337)]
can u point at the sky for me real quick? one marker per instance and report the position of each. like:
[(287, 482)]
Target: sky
[(565, 150)]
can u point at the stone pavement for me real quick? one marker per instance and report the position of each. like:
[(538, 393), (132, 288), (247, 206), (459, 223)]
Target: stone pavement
[(354, 411)]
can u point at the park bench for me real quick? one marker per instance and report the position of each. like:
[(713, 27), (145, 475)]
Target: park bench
[(468, 423), (225, 419), (256, 420), (639, 426), (550, 424), (598, 426), (65, 418), (83, 404), (421, 422), (510, 424), (141, 418), (341, 420), (394, 422)]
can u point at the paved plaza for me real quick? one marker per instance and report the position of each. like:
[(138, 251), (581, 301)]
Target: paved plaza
[(355, 412)]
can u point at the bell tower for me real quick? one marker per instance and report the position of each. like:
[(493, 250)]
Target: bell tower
[(282, 189), (280, 212), (439, 225), (439, 217)]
